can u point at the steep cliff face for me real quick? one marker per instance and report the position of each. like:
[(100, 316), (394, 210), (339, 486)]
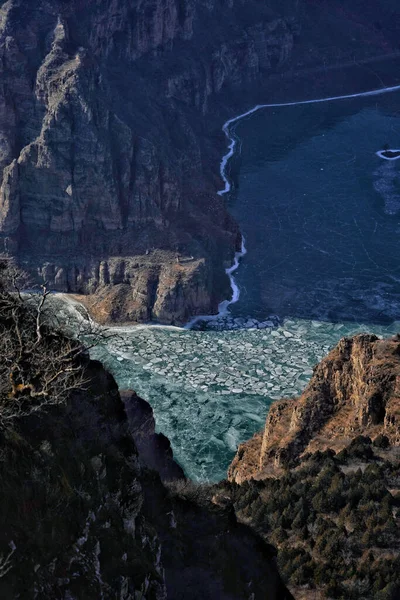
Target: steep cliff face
[(85, 514), (102, 155), (321, 482), (110, 128), (354, 391), (72, 523), (144, 288), (90, 502), (154, 449)]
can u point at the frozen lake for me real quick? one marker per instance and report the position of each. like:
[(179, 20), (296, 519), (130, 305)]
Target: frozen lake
[(320, 211)]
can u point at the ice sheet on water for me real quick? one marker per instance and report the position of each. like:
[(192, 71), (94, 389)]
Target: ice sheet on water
[(254, 417), (208, 406), (387, 184), (232, 438)]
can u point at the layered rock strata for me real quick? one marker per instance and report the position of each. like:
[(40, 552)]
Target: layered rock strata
[(150, 287), (102, 153), (353, 391), (110, 132)]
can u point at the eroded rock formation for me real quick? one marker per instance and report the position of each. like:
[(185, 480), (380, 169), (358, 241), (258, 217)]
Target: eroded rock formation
[(110, 132), (353, 391), (101, 148), (144, 288)]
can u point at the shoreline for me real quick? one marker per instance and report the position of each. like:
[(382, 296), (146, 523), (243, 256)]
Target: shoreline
[(232, 143), (223, 306), (74, 300)]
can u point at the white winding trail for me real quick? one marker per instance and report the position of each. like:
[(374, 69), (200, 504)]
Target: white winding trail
[(223, 307)]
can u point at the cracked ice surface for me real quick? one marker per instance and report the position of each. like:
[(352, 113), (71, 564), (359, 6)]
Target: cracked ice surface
[(211, 390), (320, 213)]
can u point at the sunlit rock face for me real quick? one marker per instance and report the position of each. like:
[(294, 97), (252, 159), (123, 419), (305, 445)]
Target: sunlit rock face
[(353, 391), (110, 130), (103, 150)]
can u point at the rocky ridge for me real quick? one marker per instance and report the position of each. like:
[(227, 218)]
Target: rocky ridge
[(321, 481), (353, 391)]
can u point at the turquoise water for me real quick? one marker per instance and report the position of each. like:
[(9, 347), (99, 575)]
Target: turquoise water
[(211, 390), (320, 213)]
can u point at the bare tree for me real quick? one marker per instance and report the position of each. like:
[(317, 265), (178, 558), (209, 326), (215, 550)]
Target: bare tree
[(39, 364)]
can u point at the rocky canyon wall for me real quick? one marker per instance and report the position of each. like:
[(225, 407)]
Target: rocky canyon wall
[(102, 146), (354, 391), (110, 135), (86, 514)]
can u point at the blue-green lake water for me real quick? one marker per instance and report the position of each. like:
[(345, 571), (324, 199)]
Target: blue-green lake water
[(321, 215)]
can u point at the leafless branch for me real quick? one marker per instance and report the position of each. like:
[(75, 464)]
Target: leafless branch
[(5, 561), (39, 365)]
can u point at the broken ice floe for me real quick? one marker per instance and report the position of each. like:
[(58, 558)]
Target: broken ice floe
[(227, 323), (211, 390)]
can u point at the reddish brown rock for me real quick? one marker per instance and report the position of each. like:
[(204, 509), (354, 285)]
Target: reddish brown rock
[(110, 125), (354, 391), (144, 288)]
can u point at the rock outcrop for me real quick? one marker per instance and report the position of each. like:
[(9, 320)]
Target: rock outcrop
[(154, 449), (321, 482), (110, 131), (353, 391), (144, 288), (86, 510)]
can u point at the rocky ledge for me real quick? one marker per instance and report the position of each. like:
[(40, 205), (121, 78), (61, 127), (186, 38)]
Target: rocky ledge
[(154, 287), (354, 391)]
